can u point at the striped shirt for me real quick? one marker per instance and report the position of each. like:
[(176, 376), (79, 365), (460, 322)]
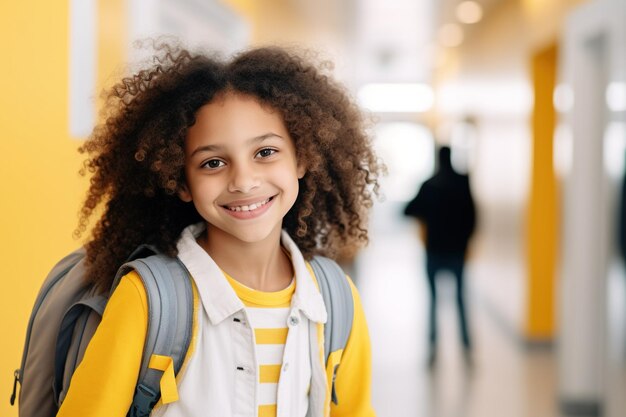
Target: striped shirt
[(268, 313)]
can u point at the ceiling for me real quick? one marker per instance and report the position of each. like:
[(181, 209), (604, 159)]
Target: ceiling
[(387, 40)]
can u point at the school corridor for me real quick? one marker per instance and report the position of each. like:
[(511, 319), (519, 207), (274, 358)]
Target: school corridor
[(530, 95)]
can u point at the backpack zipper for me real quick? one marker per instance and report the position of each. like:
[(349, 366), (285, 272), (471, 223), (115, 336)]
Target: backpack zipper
[(17, 379)]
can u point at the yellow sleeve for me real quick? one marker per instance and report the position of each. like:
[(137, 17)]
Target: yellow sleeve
[(104, 382), (354, 375)]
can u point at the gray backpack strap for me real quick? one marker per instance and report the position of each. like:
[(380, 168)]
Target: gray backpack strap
[(337, 296), (170, 304), (70, 331)]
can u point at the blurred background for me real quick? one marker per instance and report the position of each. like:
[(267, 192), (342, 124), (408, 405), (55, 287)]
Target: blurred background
[(529, 94)]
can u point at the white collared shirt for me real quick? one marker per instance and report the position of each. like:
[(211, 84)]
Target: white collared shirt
[(221, 376)]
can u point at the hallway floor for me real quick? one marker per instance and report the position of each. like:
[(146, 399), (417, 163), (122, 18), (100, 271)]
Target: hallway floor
[(505, 377)]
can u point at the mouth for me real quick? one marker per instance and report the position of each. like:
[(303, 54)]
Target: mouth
[(249, 207)]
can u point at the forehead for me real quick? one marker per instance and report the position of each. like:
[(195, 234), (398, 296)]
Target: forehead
[(236, 114), (233, 118)]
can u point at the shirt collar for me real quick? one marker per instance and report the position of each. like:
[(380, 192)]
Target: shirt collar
[(307, 297), (219, 299)]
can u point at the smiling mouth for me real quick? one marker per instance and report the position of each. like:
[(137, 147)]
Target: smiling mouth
[(249, 207)]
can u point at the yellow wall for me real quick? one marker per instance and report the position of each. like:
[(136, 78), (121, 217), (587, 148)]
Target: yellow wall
[(38, 159), (542, 211)]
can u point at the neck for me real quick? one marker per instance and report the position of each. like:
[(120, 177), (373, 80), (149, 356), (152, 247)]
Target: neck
[(262, 266)]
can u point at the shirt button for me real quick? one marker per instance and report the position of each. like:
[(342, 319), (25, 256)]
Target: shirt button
[(293, 321)]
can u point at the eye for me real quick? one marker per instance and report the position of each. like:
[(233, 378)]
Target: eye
[(266, 152), (212, 164)]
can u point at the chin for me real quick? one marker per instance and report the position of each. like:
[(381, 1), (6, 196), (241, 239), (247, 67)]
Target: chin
[(254, 236)]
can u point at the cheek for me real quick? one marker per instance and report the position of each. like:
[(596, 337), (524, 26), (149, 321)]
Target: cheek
[(203, 188)]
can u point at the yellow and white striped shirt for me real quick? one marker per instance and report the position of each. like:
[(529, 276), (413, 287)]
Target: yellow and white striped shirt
[(268, 314)]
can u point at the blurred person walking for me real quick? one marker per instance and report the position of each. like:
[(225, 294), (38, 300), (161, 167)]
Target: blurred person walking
[(445, 211)]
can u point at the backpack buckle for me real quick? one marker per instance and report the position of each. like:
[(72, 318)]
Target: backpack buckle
[(144, 400)]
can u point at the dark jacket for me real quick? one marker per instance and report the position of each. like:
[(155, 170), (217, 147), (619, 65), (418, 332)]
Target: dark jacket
[(445, 205)]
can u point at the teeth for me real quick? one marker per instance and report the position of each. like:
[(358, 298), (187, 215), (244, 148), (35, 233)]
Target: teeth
[(251, 207)]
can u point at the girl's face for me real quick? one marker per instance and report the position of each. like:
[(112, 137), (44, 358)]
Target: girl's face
[(241, 169)]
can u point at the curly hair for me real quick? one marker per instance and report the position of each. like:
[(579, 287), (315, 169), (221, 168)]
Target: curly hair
[(136, 156)]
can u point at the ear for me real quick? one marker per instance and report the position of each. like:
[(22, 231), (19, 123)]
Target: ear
[(300, 170), (184, 194)]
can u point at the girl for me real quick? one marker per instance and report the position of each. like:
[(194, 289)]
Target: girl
[(244, 169)]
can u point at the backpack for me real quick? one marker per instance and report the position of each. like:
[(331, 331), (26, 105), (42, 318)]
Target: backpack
[(68, 309)]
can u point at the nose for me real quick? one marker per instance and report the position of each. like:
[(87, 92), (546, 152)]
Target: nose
[(244, 178)]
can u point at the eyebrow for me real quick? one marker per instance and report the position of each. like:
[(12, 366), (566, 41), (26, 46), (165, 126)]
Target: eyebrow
[(261, 138)]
